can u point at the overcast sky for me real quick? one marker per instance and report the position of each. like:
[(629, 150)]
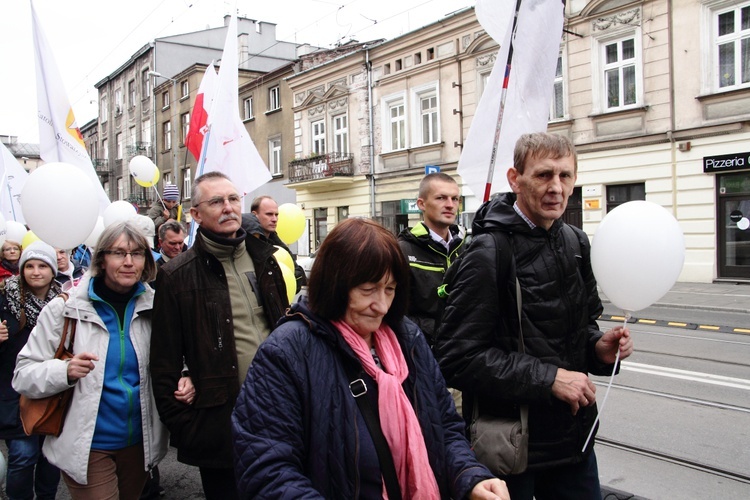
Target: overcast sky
[(92, 38)]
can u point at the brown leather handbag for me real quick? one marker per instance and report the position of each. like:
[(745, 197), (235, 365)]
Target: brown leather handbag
[(45, 416)]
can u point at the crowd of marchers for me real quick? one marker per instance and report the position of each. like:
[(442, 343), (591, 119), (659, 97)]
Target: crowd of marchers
[(367, 385)]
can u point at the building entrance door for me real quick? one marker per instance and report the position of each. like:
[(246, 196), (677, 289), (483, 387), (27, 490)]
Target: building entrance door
[(734, 226)]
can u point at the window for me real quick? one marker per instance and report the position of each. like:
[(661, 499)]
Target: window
[(184, 127), (146, 131), (418, 58), (105, 152), (340, 134), (274, 99), (184, 89), (274, 156), (145, 84), (131, 138), (120, 189), (557, 108), (484, 80), (320, 216), (395, 124), (319, 137), (118, 142), (620, 88), (165, 100), (617, 195), (131, 94), (427, 115), (731, 39), (187, 183), (430, 53), (167, 135), (247, 106), (118, 101), (103, 109)]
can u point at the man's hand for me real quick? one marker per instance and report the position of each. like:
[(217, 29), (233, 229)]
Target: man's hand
[(574, 388), (614, 339), (81, 365), (490, 489), (185, 392), (3, 331)]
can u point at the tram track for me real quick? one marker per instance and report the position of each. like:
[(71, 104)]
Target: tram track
[(685, 399)]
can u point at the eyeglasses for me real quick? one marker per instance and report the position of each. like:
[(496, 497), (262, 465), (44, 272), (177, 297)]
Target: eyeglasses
[(122, 254), (217, 201)]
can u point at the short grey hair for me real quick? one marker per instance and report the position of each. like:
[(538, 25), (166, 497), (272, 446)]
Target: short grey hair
[(108, 238)]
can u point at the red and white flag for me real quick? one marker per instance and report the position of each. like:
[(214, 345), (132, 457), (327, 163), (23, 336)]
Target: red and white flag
[(199, 117), (60, 139), (536, 47), (228, 147)]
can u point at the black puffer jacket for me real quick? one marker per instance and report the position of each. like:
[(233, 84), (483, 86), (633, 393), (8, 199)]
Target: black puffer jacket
[(428, 261), (477, 341), (193, 318)]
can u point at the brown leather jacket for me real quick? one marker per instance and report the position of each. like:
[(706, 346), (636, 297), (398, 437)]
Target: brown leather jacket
[(192, 325)]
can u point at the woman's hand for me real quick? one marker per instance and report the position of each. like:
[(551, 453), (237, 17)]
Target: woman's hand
[(3, 331), (81, 365), (185, 392), (490, 489)]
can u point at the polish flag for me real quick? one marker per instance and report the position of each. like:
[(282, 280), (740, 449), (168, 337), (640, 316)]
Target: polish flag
[(499, 121), (60, 139), (199, 117), (227, 146)]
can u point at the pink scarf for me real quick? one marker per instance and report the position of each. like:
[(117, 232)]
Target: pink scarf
[(397, 418)]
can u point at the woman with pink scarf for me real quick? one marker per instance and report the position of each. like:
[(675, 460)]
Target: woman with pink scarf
[(299, 428)]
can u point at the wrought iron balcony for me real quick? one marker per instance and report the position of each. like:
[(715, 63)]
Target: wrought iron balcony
[(139, 148), (138, 200), (101, 165), (321, 167)]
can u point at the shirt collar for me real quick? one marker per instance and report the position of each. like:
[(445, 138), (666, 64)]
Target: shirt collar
[(439, 239), (523, 215)]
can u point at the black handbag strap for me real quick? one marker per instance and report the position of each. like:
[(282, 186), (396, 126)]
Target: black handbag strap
[(358, 390)]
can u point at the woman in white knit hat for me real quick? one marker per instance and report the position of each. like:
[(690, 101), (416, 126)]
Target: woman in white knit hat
[(21, 301)]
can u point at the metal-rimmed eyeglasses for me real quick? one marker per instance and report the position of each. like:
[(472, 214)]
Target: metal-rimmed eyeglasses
[(218, 201), (136, 255)]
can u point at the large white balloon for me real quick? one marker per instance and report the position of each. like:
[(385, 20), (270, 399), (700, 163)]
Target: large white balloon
[(145, 172), (60, 204), (637, 254), (15, 231), (97, 231), (118, 211)]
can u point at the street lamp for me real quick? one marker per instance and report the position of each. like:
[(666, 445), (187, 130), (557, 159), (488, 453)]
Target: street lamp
[(171, 116)]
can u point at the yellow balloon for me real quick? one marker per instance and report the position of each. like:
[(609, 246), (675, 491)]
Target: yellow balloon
[(28, 239), (283, 257), (148, 184), (291, 223), (290, 281)]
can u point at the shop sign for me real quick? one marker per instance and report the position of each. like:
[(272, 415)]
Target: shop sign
[(726, 163)]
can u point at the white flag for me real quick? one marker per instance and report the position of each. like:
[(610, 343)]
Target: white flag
[(536, 47), (60, 139), (12, 179), (199, 116), (227, 146)]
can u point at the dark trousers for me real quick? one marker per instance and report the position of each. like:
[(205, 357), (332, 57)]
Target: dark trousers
[(219, 484), (567, 482), (29, 472)]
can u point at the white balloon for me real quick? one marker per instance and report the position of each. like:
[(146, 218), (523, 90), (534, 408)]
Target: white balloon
[(60, 204), (119, 210), (97, 231), (15, 231), (142, 168), (637, 254), (3, 230)]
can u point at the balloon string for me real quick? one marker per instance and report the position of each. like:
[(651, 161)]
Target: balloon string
[(158, 196), (606, 394)]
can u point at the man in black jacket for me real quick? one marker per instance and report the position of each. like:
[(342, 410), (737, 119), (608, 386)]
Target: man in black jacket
[(214, 305), (478, 338), (430, 247)]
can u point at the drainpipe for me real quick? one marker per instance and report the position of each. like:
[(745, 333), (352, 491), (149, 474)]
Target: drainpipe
[(368, 67), (673, 146)]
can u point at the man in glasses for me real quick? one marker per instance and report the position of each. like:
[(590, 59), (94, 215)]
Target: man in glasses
[(214, 305)]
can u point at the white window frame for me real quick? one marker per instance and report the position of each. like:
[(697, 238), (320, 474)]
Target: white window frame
[(184, 89), (419, 94), (274, 98), (184, 127), (145, 84), (167, 135), (120, 188), (712, 9), (389, 103), (274, 155), (119, 146), (559, 83), (247, 106), (118, 101), (483, 81), (318, 137), (600, 40), (103, 107), (165, 100), (340, 126), (187, 184)]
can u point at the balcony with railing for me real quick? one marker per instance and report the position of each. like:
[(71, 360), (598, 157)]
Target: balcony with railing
[(321, 167), (139, 148), (101, 165)]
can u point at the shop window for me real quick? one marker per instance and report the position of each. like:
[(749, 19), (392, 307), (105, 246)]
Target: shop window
[(623, 193)]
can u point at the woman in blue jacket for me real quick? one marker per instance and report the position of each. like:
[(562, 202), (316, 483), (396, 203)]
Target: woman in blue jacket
[(299, 431)]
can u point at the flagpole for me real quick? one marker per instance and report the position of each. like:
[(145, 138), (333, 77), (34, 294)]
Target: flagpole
[(501, 112)]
